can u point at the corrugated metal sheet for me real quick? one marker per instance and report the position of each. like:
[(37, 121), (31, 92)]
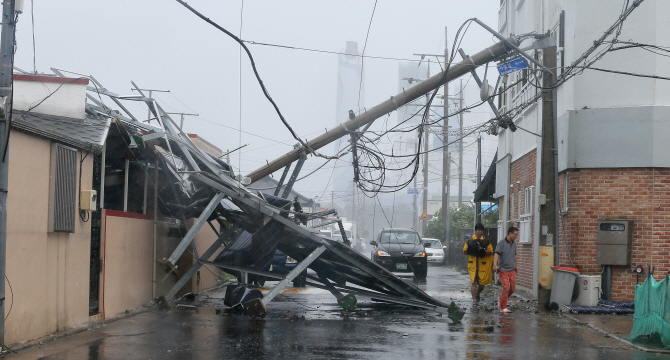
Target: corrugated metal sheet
[(65, 188)]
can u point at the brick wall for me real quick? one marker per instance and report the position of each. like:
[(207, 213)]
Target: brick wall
[(523, 171), (638, 194)]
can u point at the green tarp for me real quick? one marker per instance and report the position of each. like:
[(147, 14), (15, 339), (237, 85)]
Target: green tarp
[(651, 325)]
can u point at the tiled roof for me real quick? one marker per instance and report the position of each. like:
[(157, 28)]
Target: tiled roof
[(87, 134)]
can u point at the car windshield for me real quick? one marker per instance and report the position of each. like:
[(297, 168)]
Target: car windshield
[(399, 237), (434, 244)]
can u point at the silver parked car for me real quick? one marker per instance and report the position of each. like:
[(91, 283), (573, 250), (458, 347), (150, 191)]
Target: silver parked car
[(434, 250)]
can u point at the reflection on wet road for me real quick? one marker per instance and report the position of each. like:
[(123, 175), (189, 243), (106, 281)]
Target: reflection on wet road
[(307, 323)]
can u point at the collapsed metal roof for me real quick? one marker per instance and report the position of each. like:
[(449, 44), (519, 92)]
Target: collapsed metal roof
[(255, 224)]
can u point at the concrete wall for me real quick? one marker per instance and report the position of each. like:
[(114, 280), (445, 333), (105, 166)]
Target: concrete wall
[(68, 96), (635, 136), (48, 272), (128, 261), (127, 258)]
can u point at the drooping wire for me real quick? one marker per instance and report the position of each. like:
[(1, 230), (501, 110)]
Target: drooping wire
[(258, 78), (365, 45)]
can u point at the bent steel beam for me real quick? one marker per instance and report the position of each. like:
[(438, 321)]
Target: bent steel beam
[(190, 235), (195, 267), (255, 203), (294, 175), (293, 274)]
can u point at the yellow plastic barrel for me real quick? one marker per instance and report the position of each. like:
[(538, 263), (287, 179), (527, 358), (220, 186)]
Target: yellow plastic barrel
[(545, 275)]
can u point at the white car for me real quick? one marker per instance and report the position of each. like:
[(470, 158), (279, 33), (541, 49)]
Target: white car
[(434, 250)]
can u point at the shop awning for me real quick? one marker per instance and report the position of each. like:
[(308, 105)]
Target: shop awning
[(487, 188)]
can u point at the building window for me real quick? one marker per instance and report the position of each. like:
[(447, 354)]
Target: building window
[(501, 228), (512, 210), (520, 211), (62, 188), (528, 200), (525, 220)]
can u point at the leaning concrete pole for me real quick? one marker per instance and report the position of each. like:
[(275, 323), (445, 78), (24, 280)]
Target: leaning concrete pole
[(6, 66), (392, 104)]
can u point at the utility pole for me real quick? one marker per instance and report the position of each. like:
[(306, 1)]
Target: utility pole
[(353, 206), (415, 216), (424, 223), (460, 147), (6, 93), (478, 204), (448, 212), (445, 147), (547, 222), (455, 71)]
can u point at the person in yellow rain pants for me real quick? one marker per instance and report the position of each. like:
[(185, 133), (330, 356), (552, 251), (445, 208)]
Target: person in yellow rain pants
[(480, 266)]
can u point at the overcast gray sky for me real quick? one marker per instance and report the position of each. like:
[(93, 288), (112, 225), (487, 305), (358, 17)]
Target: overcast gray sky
[(161, 45)]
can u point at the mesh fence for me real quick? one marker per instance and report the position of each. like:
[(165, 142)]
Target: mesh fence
[(651, 325)]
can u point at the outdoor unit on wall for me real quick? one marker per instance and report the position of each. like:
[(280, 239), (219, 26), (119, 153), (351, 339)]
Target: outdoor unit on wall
[(62, 188), (88, 200), (615, 242)]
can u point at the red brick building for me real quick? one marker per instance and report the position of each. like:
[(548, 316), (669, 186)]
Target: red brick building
[(613, 137)]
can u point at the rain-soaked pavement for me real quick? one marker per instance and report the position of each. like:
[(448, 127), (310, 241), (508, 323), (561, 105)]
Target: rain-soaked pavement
[(306, 324)]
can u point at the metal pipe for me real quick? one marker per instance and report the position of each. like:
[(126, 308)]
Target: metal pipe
[(102, 175), (392, 104), (125, 186), (155, 237), (146, 186)]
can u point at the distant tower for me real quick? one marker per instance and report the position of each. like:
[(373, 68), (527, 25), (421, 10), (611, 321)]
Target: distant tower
[(349, 73), (350, 95), (409, 74)]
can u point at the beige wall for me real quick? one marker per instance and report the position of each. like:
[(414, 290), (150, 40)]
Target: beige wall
[(48, 272), (127, 250), (127, 260), (209, 275)]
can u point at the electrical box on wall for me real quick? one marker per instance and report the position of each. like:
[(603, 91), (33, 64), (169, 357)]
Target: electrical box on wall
[(88, 200), (615, 242)]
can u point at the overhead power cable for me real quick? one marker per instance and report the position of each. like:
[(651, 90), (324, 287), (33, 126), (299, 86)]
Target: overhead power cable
[(258, 78), (326, 51)]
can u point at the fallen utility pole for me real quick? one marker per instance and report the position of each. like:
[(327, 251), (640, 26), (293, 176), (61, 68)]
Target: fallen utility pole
[(392, 104)]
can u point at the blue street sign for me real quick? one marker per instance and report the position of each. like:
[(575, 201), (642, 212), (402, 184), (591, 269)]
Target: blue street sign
[(412, 191), (512, 66)]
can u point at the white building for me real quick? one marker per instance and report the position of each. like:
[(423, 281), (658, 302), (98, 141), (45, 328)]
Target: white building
[(613, 138)]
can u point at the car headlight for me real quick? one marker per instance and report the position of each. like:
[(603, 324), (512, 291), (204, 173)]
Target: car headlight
[(382, 253), (290, 260), (420, 254)]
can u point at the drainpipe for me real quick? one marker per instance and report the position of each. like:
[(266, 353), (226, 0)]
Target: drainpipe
[(153, 273)]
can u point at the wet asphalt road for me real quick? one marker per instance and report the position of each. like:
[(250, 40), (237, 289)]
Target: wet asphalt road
[(373, 332)]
